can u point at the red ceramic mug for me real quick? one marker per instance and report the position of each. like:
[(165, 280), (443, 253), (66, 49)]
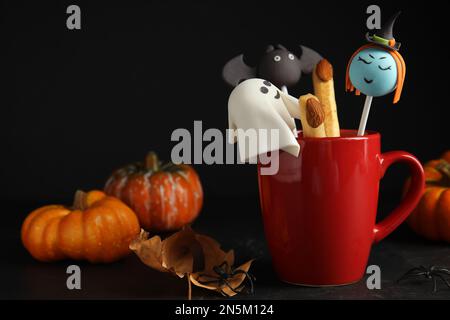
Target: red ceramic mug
[(319, 210)]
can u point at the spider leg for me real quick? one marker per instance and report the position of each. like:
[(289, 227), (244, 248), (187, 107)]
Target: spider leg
[(442, 270), (219, 281), (248, 275), (223, 270), (223, 293), (250, 278), (415, 272), (416, 269), (235, 290), (434, 283), (443, 279)]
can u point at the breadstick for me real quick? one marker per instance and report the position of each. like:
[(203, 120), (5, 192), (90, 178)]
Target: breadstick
[(324, 90), (312, 116)]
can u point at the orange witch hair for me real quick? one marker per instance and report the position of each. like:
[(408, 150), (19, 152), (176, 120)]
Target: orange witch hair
[(401, 71)]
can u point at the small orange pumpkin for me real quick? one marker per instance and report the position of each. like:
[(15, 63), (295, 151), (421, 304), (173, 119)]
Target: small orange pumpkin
[(431, 218), (98, 228), (165, 197)]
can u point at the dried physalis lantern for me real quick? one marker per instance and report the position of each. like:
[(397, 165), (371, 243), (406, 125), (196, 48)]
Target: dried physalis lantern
[(197, 257)]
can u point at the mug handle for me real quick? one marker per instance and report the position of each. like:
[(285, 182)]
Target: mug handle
[(412, 198)]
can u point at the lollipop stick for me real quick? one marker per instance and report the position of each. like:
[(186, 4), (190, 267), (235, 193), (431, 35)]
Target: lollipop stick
[(365, 115), (284, 89)]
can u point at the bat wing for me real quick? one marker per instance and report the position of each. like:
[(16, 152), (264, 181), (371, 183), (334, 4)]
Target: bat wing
[(309, 59), (235, 71)]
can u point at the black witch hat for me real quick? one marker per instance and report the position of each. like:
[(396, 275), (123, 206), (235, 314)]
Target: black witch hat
[(384, 37)]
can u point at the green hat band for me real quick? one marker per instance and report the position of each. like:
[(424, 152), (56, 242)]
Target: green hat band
[(380, 40)]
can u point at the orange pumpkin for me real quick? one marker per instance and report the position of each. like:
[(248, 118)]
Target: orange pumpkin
[(431, 218), (98, 228), (165, 197)]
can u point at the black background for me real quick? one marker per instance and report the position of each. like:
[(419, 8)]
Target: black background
[(78, 104), (75, 105)]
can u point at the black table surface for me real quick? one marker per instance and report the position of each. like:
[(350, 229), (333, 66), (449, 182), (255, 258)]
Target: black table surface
[(237, 227)]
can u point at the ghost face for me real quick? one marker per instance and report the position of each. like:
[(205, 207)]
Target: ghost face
[(260, 100), (373, 71), (282, 67)]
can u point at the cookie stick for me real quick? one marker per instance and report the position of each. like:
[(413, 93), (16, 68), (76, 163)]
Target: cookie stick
[(312, 116), (324, 90)]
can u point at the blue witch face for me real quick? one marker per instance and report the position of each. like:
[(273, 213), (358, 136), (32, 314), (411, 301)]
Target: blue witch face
[(373, 71)]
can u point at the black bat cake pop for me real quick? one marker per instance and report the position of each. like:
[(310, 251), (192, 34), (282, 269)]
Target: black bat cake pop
[(277, 65)]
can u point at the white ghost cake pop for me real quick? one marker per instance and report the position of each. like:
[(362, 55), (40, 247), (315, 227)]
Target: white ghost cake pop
[(258, 104)]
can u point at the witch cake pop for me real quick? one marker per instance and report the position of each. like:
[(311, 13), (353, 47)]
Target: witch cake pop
[(376, 69), (277, 65)]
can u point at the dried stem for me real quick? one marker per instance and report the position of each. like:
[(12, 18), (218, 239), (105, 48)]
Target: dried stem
[(152, 161), (444, 168), (79, 202), (188, 277)]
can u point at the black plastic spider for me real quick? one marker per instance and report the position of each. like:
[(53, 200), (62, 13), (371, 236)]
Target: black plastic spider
[(224, 273), (432, 273)]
